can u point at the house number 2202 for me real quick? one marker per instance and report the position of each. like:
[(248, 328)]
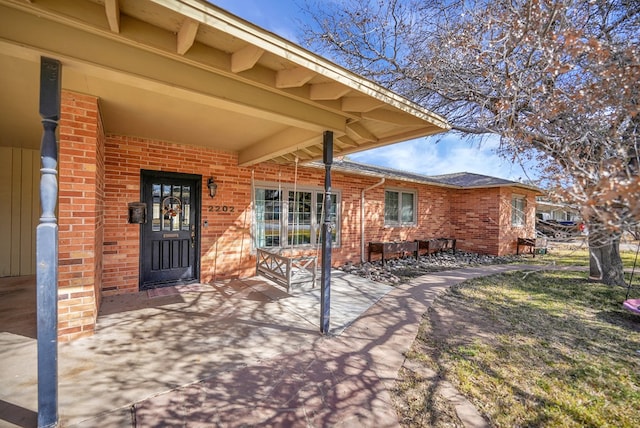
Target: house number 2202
[(221, 209)]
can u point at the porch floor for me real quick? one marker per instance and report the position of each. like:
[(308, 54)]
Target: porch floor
[(150, 343)]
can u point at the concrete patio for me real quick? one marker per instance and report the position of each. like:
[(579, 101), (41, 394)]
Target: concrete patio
[(152, 342)]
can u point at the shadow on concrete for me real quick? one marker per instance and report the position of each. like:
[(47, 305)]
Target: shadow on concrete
[(18, 416)]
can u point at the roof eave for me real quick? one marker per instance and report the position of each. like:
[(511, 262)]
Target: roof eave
[(216, 17)]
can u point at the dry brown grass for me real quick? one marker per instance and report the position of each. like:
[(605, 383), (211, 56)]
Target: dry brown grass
[(536, 349)]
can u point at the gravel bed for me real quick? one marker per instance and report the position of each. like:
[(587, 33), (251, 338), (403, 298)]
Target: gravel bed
[(397, 271)]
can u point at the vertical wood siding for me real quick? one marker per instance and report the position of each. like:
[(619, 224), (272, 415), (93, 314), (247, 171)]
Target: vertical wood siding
[(19, 210)]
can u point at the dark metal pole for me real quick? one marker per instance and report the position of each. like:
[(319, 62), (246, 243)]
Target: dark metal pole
[(47, 247), (325, 288)]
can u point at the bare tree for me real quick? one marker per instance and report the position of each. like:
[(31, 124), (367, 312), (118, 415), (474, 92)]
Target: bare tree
[(557, 80)]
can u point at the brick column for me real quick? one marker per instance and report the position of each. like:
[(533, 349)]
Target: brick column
[(81, 215)]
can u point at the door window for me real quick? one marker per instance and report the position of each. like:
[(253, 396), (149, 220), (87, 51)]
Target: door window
[(171, 207)]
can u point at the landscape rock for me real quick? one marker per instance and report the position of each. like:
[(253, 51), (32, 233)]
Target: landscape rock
[(399, 270)]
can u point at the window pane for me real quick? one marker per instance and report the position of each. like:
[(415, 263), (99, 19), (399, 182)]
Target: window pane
[(166, 207), (186, 207), (332, 216), (334, 208), (299, 218), (390, 207), (268, 226), (155, 215), (517, 211), (176, 207), (407, 208)]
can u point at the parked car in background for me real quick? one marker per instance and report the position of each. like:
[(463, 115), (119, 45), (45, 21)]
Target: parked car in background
[(560, 229)]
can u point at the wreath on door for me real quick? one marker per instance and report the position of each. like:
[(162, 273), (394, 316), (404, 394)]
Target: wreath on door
[(171, 207)]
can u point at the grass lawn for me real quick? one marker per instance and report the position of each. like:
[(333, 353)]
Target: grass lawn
[(527, 349), (579, 257)]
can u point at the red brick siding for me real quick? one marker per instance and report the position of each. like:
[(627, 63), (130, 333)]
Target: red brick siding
[(100, 211), (481, 219), (431, 214), (80, 215), (509, 234), (475, 219), (472, 216), (226, 244)]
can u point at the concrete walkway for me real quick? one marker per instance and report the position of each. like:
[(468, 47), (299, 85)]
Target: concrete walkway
[(241, 354)]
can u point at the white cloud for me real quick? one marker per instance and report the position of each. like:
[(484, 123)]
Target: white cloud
[(449, 155)]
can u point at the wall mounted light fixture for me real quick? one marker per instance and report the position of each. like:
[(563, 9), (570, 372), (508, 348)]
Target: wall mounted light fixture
[(212, 186)]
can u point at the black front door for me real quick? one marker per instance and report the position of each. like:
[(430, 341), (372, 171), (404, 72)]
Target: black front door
[(169, 252)]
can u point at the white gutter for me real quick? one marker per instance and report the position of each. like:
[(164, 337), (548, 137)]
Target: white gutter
[(362, 216)]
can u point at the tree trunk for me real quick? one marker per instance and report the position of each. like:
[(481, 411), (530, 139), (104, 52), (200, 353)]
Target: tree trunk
[(605, 264)]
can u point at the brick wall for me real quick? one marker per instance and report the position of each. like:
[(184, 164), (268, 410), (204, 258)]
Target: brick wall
[(475, 219), (509, 234), (431, 213), (80, 215), (224, 243), (481, 219)]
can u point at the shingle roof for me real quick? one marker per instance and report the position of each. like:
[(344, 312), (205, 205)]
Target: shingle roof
[(380, 171), (461, 180), (469, 179)]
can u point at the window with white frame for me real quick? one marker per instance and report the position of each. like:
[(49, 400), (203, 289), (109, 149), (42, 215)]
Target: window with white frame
[(287, 217), (332, 215), (268, 207), (518, 206), (399, 208)]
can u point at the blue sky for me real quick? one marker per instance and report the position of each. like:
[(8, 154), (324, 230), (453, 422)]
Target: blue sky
[(424, 156)]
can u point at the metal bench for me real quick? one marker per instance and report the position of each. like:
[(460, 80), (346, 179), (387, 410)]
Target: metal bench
[(286, 271)]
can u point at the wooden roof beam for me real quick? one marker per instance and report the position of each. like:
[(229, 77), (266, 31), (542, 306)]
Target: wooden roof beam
[(360, 104), (187, 35), (312, 151), (357, 131), (305, 155), (393, 117), (245, 58), (287, 141), (112, 9), (328, 91), (346, 141), (288, 158), (293, 78)]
